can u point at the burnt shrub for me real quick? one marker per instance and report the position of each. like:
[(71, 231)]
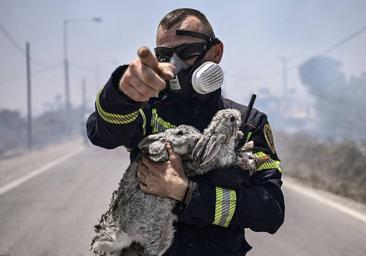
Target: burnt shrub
[(336, 166)]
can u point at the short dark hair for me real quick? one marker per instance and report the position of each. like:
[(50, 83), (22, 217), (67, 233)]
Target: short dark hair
[(177, 15)]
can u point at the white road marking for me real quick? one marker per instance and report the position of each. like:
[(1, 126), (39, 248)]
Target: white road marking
[(312, 194), (38, 171)]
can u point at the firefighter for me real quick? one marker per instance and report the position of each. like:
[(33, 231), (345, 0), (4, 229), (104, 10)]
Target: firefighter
[(180, 84)]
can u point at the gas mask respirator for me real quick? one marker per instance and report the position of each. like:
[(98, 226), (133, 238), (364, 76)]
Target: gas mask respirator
[(200, 78), (203, 78)]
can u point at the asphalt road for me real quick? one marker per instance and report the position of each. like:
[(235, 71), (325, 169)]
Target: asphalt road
[(54, 212)]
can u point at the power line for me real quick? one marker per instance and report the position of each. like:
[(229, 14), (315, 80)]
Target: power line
[(327, 50), (20, 49), (21, 77), (82, 67), (9, 80), (88, 68), (11, 40), (344, 41)]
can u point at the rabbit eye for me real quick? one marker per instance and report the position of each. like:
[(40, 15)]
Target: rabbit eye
[(232, 119)]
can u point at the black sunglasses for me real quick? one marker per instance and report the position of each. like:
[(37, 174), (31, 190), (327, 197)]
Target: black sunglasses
[(184, 51)]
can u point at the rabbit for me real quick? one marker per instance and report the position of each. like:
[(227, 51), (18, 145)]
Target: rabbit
[(135, 217), (141, 224), (246, 159), (217, 147)]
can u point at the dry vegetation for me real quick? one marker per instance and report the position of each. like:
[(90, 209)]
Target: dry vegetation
[(48, 128), (338, 167)]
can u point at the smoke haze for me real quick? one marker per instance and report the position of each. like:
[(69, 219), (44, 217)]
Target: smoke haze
[(339, 101)]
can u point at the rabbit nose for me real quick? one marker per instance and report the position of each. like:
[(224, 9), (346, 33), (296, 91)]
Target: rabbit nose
[(232, 119)]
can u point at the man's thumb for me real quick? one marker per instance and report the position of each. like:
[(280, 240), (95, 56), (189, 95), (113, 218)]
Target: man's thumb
[(169, 148), (173, 157), (164, 70), (167, 70)]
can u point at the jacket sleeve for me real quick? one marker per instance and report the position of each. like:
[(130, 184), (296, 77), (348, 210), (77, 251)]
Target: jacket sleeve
[(230, 198), (117, 120)]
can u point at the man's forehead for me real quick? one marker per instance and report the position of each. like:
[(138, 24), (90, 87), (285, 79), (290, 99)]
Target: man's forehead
[(168, 37), (192, 23)]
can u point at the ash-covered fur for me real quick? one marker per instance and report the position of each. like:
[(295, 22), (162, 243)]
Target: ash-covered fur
[(246, 159), (216, 148), (134, 216), (137, 223)]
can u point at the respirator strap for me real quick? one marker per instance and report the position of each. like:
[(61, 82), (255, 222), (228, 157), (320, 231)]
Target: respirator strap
[(211, 40), (180, 32)]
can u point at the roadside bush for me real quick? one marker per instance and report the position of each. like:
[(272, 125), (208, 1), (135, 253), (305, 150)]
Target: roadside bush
[(336, 166)]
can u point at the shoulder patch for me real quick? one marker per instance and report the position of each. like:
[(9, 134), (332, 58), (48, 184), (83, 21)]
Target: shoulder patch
[(267, 131)]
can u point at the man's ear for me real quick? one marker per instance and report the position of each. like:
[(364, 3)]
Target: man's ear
[(218, 52)]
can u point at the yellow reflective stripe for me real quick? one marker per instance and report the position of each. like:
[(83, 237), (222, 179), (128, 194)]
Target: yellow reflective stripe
[(260, 154), (225, 206), (271, 164), (158, 124), (248, 136), (115, 118), (218, 206), (143, 121)]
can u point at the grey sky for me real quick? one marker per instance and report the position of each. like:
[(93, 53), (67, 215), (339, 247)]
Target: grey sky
[(255, 34)]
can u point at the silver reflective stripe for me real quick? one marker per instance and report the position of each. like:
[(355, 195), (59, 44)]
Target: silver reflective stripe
[(225, 206)]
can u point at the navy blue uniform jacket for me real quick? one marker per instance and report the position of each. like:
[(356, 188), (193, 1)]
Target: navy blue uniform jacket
[(223, 203)]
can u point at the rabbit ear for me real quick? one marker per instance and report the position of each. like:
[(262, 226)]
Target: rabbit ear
[(212, 148), (248, 146), (200, 147), (148, 140)]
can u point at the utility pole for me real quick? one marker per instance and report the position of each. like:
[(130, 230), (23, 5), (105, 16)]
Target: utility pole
[(284, 77), (98, 66), (83, 111), (83, 98), (67, 85), (284, 82), (97, 77), (29, 98), (66, 67)]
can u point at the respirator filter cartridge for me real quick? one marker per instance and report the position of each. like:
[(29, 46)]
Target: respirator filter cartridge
[(207, 78)]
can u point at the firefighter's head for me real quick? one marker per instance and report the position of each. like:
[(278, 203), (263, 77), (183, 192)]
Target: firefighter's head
[(186, 39)]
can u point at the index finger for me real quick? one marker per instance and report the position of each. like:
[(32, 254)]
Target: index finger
[(148, 59), (164, 70)]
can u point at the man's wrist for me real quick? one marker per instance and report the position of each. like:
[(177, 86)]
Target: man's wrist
[(180, 190), (185, 194), (188, 195)]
